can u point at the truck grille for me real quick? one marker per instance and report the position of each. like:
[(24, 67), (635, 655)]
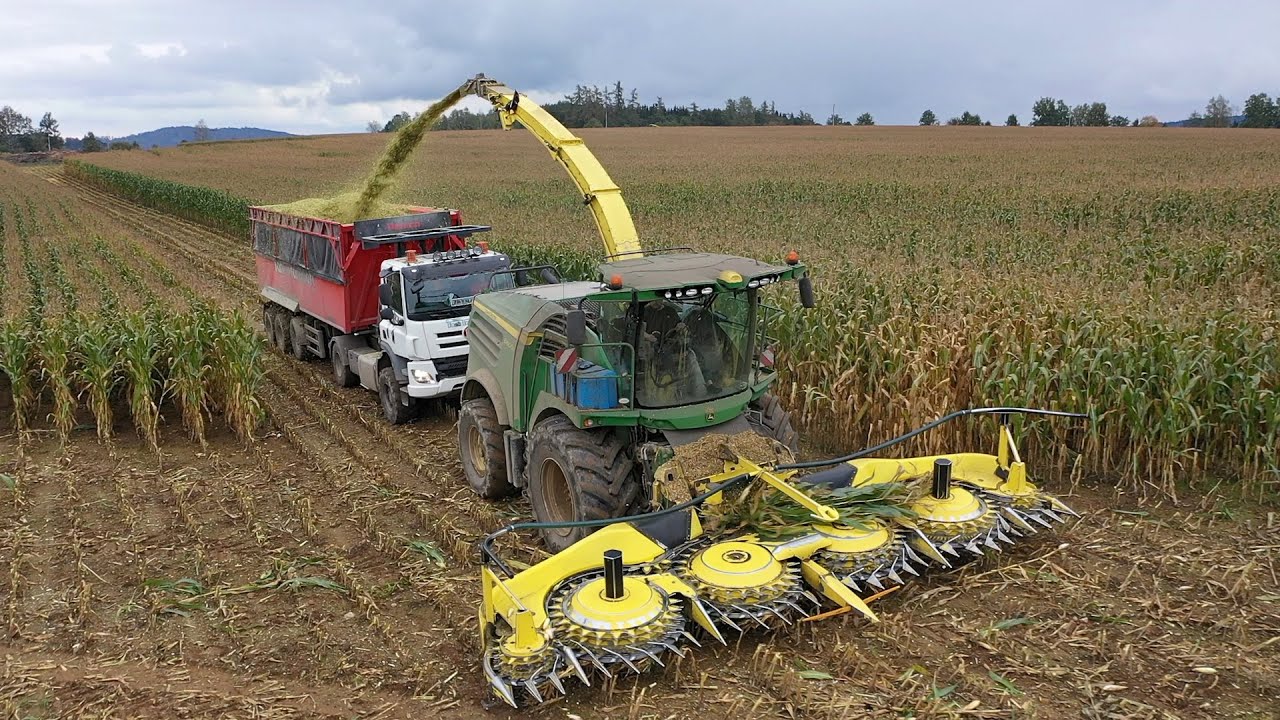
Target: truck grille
[(451, 366)]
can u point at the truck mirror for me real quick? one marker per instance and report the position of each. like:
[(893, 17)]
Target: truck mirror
[(387, 313), (384, 295), (575, 327), (806, 292), (549, 276)]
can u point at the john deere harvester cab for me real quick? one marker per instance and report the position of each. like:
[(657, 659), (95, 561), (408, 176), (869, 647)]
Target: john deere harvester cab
[(576, 392)]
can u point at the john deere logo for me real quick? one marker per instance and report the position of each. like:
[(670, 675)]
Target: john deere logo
[(711, 414)]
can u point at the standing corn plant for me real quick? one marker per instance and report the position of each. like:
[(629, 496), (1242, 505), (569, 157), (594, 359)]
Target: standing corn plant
[(55, 347), (138, 350), (189, 371), (15, 363), (238, 370), (98, 352)]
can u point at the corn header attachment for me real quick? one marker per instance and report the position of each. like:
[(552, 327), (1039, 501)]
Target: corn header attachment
[(643, 589)]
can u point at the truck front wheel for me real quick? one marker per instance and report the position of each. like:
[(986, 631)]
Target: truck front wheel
[(578, 474), (342, 375), (480, 443), (396, 412)]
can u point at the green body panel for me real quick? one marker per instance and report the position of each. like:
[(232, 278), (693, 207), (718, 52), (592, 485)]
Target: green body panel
[(505, 339)]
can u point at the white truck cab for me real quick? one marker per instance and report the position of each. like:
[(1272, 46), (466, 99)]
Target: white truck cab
[(429, 303), (420, 351)]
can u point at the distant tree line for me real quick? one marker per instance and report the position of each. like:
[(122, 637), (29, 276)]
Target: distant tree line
[(17, 134), (589, 106)]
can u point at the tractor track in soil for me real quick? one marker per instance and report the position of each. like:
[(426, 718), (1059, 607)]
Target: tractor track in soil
[(339, 462)]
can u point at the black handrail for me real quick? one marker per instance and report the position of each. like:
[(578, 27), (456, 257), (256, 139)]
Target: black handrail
[(1003, 411)]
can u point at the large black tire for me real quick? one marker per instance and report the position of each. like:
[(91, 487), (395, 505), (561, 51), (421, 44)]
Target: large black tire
[(484, 459), (342, 375), (578, 475), (282, 330), (298, 338), (775, 422), (396, 412), (269, 322)]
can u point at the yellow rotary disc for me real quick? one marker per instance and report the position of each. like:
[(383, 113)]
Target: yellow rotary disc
[(736, 565), (639, 605), (961, 506), (854, 540)]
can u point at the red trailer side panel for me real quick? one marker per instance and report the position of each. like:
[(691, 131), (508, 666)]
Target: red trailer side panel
[(320, 266)]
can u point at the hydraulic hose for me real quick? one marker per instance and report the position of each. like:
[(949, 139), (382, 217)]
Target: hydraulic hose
[(926, 428)]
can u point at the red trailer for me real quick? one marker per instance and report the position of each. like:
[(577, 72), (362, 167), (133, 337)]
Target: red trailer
[(385, 299), (324, 269)]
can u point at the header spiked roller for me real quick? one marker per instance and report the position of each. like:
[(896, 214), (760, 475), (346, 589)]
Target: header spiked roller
[(618, 602)]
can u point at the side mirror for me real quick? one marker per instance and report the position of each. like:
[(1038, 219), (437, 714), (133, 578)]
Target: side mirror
[(384, 295), (387, 313), (806, 292), (549, 276), (575, 327)]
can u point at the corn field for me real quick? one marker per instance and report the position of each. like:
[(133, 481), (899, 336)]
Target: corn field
[(86, 341), (1131, 275)]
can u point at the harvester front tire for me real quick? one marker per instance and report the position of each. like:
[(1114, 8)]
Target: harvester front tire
[(578, 474), (396, 412), (480, 443), (775, 422)]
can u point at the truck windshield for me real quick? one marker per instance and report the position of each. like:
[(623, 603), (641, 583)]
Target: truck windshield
[(443, 297), (689, 350)]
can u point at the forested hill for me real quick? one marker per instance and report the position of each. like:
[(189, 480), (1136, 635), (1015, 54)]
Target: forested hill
[(170, 136), (591, 106)]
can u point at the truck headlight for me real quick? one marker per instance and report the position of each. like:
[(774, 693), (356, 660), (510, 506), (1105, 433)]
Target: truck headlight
[(422, 377)]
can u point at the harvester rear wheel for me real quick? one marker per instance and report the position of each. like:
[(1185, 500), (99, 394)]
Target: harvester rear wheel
[(775, 422), (483, 459), (578, 474)]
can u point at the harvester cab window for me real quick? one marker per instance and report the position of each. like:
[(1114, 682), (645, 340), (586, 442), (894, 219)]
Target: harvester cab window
[(689, 350)]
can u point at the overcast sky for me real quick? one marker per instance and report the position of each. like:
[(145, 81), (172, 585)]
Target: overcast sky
[(122, 66)]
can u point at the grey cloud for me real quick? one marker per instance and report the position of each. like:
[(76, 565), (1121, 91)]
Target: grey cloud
[(314, 66)]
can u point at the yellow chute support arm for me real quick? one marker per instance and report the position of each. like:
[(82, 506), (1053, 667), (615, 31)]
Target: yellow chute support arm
[(598, 190)]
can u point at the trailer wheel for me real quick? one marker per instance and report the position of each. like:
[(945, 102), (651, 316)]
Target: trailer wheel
[(480, 443), (269, 323), (775, 422), (578, 475), (298, 338), (342, 375), (396, 412), (282, 330)]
